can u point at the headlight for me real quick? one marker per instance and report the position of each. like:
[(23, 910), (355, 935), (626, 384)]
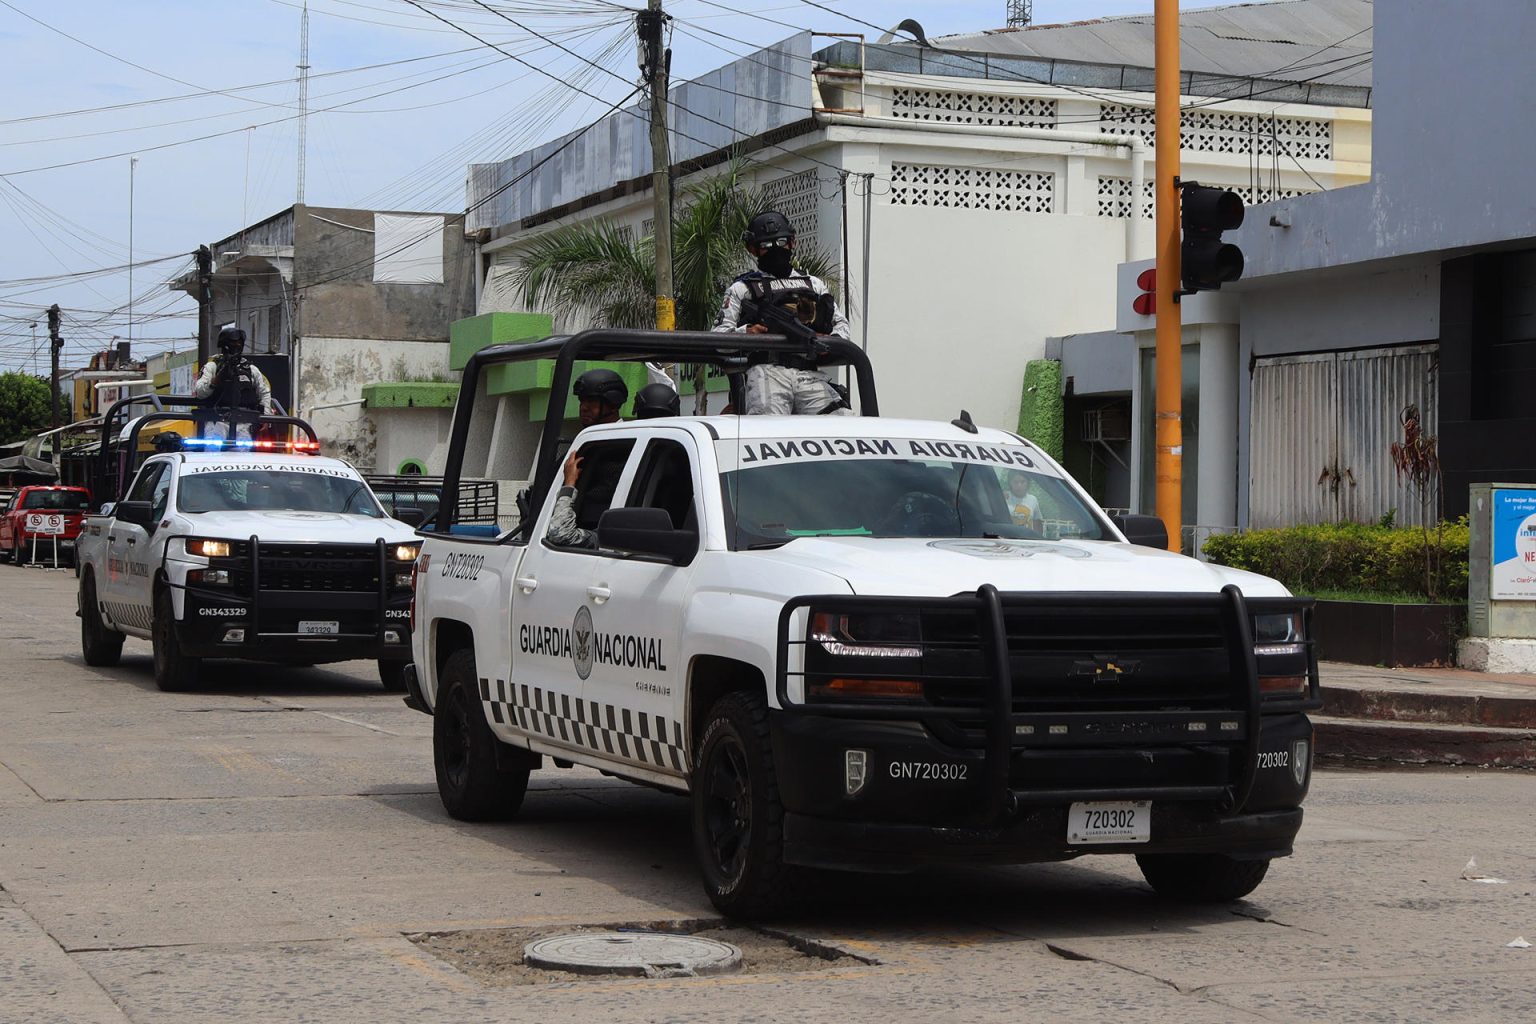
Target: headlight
[(868, 634), (207, 548), (405, 552), (1279, 647), (1277, 634)]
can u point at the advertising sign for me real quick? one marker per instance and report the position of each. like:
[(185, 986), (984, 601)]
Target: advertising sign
[(1514, 546)]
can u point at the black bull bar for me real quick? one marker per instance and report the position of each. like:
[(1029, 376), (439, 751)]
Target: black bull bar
[(1004, 725)]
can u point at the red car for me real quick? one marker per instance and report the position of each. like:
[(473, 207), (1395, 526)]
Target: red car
[(42, 513)]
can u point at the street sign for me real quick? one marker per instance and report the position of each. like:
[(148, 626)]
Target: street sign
[(45, 523)]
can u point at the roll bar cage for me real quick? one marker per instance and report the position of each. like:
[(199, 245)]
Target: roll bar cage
[(730, 352), (116, 458)]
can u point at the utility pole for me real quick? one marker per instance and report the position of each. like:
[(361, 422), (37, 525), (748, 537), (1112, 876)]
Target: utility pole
[(56, 343), (133, 162), (303, 98), (655, 63), (204, 303), (1170, 321)]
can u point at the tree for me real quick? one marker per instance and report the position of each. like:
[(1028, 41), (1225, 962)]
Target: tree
[(24, 406), (592, 269), (1417, 457)]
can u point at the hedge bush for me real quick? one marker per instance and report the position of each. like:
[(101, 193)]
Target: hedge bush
[(1349, 556)]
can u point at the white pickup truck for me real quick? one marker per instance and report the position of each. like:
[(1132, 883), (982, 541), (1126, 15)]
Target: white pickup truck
[(245, 554), (854, 645)]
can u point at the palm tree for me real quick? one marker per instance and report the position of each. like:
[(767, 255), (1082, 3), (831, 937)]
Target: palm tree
[(591, 268)]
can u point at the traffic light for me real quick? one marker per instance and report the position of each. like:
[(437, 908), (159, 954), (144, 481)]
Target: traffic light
[(1205, 260)]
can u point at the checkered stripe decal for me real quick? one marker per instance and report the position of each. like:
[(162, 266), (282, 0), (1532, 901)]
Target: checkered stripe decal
[(619, 733)]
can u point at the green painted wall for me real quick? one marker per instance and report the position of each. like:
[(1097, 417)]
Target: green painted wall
[(411, 395), (469, 336), (1041, 408)]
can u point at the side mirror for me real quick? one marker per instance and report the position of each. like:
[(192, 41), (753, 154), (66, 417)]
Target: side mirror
[(646, 531), (140, 513), (410, 515), (1148, 531)]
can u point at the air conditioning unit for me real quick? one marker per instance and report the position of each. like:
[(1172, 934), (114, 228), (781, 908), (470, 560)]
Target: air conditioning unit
[(1110, 423)]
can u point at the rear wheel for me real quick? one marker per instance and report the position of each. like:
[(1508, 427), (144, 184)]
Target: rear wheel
[(479, 778), (174, 670), (102, 647), (392, 675), (1201, 877), (738, 819), (19, 553)]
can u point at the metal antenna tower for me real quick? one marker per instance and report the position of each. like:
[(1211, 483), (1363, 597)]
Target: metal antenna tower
[(1020, 13), (303, 96)]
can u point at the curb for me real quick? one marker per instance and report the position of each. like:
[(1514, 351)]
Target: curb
[(1425, 743), (1438, 708)]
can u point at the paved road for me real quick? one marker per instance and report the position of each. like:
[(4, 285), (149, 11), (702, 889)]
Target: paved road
[(259, 851)]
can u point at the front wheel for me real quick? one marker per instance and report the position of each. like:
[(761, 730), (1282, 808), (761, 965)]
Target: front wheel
[(479, 778), (174, 669), (738, 819), (392, 675), (102, 647), (1201, 877)]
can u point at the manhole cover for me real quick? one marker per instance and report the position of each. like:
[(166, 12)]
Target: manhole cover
[(645, 954)]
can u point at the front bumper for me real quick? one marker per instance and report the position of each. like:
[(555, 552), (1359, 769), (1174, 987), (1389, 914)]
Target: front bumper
[(1034, 836), (922, 801), (219, 624)]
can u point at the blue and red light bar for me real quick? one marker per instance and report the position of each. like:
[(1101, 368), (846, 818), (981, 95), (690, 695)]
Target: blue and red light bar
[(216, 444)]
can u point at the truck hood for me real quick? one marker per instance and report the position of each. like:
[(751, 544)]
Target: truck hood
[(290, 527), (914, 567)]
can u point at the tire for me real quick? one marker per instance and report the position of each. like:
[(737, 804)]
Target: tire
[(392, 675), (19, 555), (102, 647), (479, 778), (738, 818), (174, 670), (1201, 877)]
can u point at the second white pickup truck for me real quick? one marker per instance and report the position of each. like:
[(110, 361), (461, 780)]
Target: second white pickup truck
[(244, 554)]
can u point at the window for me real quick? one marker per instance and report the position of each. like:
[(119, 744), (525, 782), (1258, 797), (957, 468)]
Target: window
[(665, 481), (144, 487), (56, 501)]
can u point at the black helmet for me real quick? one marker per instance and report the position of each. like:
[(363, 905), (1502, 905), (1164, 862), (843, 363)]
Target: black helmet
[(231, 340), (656, 399), (768, 226), (170, 441), (601, 384)]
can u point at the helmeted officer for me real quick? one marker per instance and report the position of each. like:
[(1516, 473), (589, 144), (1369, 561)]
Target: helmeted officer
[(233, 382), (784, 383)]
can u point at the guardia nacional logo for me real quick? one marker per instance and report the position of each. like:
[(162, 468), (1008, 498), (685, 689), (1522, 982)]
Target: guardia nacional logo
[(581, 642)]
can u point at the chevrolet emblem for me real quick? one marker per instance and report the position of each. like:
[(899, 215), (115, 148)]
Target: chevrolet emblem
[(1105, 668)]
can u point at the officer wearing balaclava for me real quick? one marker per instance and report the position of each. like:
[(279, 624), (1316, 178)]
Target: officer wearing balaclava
[(786, 384)]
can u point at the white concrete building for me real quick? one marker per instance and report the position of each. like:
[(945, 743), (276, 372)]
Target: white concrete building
[(990, 184)]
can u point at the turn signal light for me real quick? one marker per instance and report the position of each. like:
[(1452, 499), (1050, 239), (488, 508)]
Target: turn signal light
[(1288, 686), (903, 688)]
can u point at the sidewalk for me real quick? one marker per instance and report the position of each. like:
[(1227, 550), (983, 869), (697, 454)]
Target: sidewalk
[(1426, 716)]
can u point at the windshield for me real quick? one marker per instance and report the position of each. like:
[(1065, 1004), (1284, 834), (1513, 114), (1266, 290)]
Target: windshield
[(61, 501), (271, 490), (791, 488)]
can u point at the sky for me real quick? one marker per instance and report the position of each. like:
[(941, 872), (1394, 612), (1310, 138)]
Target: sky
[(136, 131)]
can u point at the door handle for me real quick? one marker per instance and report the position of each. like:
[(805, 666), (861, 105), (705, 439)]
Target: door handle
[(599, 593), (133, 540), (527, 584)]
